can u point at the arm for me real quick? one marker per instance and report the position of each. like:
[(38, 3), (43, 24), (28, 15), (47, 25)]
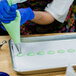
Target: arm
[(42, 17), (57, 10)]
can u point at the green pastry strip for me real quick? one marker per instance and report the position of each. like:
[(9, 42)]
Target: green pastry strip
[(51, 52)]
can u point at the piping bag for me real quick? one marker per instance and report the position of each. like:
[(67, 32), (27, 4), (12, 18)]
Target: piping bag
[(13, 28)]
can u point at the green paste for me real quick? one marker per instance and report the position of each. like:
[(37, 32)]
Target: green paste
[(40, 53), (51, 52), (60, 51), (30, 54), (20, 54), (71, 50)]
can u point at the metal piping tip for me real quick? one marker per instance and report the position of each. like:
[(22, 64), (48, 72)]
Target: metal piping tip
[(18, 48)]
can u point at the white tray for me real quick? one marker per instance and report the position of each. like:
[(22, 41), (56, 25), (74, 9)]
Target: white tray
[(44, 44)]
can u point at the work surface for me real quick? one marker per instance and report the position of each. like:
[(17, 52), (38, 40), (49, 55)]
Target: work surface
[(6, 65)]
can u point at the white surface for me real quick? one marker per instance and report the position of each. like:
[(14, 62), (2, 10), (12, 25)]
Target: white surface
[(70, 71), (59, 9), (29, 63), (17, 1)]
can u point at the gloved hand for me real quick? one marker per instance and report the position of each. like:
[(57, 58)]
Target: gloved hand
[(7, 13), (2, 27), (26, 14)]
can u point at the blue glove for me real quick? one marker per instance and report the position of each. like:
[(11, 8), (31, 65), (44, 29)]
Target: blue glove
[(26, 14), (2, 27), (7, 13)]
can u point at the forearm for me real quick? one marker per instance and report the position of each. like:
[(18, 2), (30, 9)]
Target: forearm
[(43, 17)]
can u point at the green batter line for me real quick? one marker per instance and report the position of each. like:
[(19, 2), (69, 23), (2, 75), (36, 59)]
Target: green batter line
[(50, 52)]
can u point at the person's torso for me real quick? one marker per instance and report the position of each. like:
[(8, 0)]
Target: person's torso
[(55, 27)]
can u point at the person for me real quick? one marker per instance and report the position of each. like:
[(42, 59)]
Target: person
[(48, 16)]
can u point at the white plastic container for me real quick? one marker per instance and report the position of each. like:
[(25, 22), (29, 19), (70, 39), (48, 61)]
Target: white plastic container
[(16, 1)]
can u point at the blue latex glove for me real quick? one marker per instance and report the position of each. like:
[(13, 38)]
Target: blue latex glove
[(2, 27), (26, 14), (7, 13)]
